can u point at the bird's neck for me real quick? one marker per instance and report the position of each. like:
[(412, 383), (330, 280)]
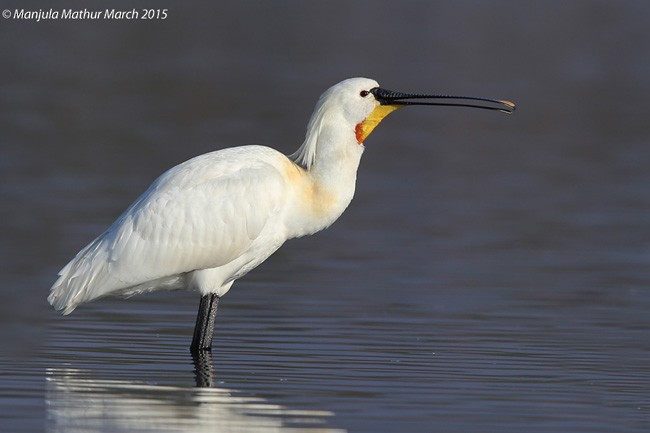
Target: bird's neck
[(336, 161), (330, 180)]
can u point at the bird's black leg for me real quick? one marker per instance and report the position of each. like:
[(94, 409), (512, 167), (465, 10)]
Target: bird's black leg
[(204, 328)]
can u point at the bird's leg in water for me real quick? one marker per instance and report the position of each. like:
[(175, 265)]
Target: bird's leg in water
[(203, 372), (204, 328)]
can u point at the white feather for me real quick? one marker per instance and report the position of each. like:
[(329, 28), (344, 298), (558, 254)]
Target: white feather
[(201, 214), (210, 220)]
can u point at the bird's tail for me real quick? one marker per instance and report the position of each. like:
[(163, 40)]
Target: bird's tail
[(82, 279)]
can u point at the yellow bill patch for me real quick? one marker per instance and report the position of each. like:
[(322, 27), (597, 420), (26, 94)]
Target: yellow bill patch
[(363, 129)]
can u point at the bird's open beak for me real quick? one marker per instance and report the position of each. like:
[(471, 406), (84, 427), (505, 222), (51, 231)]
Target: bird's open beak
[(390, 101), (388, 97)]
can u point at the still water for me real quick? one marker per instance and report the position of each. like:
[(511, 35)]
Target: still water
[(490, 275)]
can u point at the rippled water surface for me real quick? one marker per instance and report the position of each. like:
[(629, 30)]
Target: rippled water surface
[(490, 275)]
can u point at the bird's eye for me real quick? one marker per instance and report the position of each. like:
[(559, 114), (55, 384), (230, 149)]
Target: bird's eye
[(364, 93)]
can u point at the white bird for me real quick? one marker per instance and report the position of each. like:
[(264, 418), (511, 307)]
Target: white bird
[(208, 221)]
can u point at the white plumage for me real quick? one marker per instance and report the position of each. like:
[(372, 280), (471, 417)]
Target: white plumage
[(203, 214), (208, 221)]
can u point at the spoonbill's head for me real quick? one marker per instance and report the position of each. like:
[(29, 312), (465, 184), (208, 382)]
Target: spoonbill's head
[(364, 104), (356, 106)]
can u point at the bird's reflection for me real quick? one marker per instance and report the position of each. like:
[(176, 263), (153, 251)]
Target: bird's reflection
[(203, 370), (78, 401)]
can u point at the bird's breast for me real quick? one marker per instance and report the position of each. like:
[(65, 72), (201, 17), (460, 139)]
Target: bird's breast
[(314, 205)]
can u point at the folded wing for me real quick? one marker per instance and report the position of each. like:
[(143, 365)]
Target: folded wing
[(202, 214)]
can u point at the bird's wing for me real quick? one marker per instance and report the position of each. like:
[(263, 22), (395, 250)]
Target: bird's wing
[(201, 214)]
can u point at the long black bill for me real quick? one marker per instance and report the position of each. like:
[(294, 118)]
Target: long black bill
[(388, 97)]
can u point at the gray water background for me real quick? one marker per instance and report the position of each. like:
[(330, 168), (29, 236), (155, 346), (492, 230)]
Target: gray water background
[(490, 275)]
